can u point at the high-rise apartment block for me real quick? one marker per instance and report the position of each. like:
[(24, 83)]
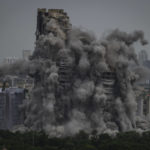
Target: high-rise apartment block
[(11, 114)]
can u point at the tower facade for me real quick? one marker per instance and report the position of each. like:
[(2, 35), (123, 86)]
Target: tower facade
[(58, 16)]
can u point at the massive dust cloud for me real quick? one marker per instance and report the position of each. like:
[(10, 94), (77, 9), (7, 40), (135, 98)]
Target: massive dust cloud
[(70, 94), (82, 83)]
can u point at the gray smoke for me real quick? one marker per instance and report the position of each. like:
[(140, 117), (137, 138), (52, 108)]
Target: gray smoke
[(20, 67), (69, 73), (80, 102)]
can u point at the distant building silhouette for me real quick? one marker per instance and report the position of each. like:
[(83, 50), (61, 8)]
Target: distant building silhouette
[(146, 63), (10, 60), (143, 56), (26, 54)]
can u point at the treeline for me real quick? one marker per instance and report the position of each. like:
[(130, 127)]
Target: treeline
[(81, 141)]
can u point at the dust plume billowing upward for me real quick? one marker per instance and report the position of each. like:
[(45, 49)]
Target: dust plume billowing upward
[(82, 83)]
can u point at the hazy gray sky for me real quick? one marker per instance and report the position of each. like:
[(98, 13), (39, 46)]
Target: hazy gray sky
[(18, 19)]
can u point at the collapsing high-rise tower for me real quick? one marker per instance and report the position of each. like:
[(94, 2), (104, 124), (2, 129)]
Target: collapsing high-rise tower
[(59, 20), (81, 83), (55, 23), (59, 24), (62, 20)]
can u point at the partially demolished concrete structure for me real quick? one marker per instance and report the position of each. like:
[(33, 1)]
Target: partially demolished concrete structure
[(109, 79), (45, 16)]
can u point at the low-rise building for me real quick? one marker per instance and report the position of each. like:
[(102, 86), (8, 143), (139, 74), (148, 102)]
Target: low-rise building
[(10, 60)]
